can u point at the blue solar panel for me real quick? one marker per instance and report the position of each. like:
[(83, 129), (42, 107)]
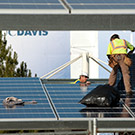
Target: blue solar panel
[(29, 1), (27, 89), (30, 4), (101, 4), (65, 98), (4, 6), (100, 1)]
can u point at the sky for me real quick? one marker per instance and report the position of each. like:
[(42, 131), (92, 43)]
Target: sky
[(43, 52)]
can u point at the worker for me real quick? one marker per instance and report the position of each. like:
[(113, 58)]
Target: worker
[(117, 53), (83, 80)]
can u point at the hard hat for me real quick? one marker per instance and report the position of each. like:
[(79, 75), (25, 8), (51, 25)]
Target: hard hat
[(85, 74)]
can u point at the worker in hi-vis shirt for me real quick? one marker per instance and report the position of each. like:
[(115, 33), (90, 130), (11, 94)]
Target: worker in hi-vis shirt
[(117, 53), (83, 79)]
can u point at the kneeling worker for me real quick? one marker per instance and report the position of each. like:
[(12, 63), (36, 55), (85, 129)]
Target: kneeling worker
[(83, 79)]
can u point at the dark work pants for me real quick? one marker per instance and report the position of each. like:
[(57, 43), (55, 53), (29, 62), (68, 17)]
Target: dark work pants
[(125, 72)]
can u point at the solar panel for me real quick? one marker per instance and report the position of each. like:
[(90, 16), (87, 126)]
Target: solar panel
[(129, 102), (101, 6), (32, 6), (65, 98), (9, 6), (29, 1), (99, 1), (27, 89), (57, 101)]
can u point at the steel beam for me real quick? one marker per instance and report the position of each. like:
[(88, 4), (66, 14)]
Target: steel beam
[(67, 22)]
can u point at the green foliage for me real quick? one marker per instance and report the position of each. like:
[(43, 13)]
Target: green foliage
[(23, 71), (9, 62)]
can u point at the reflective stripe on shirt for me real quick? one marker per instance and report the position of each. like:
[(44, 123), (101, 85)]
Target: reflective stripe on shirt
[(114, 47)]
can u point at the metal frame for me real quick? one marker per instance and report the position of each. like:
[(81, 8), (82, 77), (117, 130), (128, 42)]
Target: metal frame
[(49, 126), (67, 22), (115, 125), (67, 19), (67, 81), (43, 124), (93, 126)]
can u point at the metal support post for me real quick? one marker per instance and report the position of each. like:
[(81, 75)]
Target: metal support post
[(85, 63), (90, 127), (95, 126)]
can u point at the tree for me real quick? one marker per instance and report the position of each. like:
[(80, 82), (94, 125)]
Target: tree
[(9, 62), (23, 71)]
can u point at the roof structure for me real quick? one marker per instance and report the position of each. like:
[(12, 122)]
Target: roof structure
[(57, 105), (67, 15)]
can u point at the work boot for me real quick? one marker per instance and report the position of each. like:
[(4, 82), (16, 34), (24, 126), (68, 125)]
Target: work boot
[(129, 94)]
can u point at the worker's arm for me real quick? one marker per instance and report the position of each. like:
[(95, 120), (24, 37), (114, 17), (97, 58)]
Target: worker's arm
[(109, 51), (131, 47), (130, 52)]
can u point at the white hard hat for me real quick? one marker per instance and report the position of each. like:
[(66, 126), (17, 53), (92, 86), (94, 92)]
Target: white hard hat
[(85, 74)]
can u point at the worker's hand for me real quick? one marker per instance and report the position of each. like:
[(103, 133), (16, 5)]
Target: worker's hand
[(88, 83), (108, 56), (130, 52)]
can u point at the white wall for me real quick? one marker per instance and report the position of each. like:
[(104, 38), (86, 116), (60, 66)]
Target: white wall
[(84, 41)]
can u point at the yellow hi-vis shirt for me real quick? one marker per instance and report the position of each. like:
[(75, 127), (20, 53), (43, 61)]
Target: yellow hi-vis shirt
[(119, 46), (77, 81)]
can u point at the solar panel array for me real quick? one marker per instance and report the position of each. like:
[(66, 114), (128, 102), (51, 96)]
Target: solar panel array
[(32, 6), (27, 89), (56, 101), (94, 6), (101, 4), (66, 97), (67, 6)]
